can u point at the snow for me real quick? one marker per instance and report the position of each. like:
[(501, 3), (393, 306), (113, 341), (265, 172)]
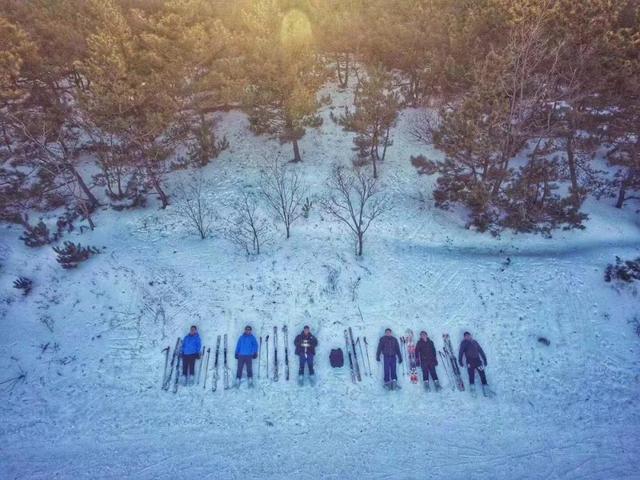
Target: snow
[(91, 405)]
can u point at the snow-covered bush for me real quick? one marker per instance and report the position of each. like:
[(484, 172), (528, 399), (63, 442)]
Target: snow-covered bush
[(355, 199), (36, 235), (23, 283), (283, 190), (72, 254), (193, 205), (624, 271), (247, 227)]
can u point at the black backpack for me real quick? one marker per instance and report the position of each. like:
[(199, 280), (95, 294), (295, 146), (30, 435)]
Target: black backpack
[(336, 358)]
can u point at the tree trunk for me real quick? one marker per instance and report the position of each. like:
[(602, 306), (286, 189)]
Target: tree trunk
[(360, 242), (163, 196), (83, 186), (571, 162), (622, 193), (296, 152)]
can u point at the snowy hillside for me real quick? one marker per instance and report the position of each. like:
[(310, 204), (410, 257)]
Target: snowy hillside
[(90, 340)]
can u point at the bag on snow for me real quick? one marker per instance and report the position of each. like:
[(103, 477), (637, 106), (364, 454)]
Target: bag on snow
[(336, 358)]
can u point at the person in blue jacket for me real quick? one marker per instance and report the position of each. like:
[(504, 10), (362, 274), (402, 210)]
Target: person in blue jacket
[(191, 346), (246, 352)]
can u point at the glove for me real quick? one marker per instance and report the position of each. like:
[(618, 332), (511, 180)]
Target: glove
[(236, 355), (255, 355), (378, 359), (461, 364), (199, 356), (485, 364), (399, 361)]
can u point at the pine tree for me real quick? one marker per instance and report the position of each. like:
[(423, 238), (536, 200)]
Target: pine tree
[(282, 72), (376, 111)]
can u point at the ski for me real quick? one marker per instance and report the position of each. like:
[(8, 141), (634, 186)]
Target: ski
[(214, 381), (346, 345), (355, 356), (167, 380), (285, 334), (366, 349), (275, 354), (227, 370), (259, 354), (206, 369), (411, 352), (177, 379), (448, 350), (200, 369), (166, 364)]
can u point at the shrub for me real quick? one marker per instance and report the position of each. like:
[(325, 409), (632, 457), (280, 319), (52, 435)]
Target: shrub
[(71, 254)]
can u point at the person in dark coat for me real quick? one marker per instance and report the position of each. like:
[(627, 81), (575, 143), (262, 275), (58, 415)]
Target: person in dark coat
[(475, 359), (191, 345), (428, 360), (306, 345), (246, 352), (389, 348)]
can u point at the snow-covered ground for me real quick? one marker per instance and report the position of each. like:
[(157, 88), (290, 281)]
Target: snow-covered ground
[(91, 405)]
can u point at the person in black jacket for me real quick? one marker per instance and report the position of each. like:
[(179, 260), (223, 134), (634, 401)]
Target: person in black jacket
[(306, 345), (389, 347), (475, 359), (426, 355)]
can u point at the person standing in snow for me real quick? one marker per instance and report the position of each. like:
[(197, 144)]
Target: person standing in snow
[(191, 346), (389, 347), (246, 352), (475, 360), (305, 344), (426, 355)]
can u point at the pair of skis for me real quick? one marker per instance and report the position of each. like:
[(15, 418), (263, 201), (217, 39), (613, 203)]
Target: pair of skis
[(171, 373), (169, 368), (276, 374), (450, 363), (411, 353)]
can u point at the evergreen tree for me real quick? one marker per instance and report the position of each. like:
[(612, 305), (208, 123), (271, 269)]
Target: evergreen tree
[(376, 111), (282, 72)]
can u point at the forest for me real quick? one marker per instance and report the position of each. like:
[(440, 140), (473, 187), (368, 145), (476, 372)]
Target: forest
[(534, 104)]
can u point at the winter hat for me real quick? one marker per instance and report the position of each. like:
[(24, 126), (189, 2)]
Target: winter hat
[(465, 334), (306, 327), (423, 332)]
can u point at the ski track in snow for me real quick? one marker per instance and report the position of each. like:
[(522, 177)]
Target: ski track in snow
[(91, 405)]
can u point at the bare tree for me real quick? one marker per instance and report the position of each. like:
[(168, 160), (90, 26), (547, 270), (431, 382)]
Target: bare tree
[(282, 188), (356, 200), (193, 205), (247, 227)]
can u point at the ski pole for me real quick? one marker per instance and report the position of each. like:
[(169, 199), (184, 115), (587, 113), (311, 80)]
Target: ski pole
[(266, 342), (364, 365), (206, 368), (259, 355), (200, 369), (366, 349)]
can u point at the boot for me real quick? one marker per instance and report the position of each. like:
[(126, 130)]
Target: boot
[(312, 380), (250, 382), (236, 384), (300, 379), (472, 389), (487, 392), (426, 386), (388, 385), (394, 385), (437, 384)]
